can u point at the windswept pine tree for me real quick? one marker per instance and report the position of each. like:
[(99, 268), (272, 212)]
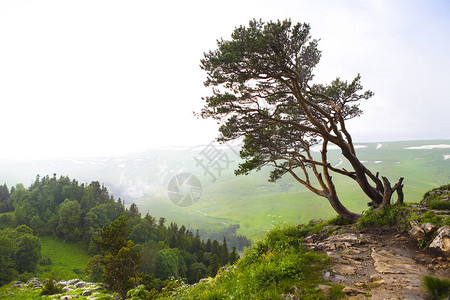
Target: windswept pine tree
[(263, 90)]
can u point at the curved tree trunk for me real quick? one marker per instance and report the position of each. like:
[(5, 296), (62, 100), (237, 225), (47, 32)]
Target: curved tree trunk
[(341, 209), (361, 177), (381, 194)]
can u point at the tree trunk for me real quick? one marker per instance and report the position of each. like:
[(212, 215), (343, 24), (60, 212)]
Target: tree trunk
[(381, 195), (361, 177), (400, 195), (388, 191), (341, 209)]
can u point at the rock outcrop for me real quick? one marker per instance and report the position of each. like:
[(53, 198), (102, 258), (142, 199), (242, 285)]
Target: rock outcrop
[(378, 263), (438, 198), (71, 289)]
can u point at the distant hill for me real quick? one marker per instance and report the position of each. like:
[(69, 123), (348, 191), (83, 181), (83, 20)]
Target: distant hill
[(249, 203)]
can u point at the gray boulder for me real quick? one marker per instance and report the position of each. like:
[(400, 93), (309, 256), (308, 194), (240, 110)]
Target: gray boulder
[(34, 282), (442, 240), (416, 231), (73, 281), (80, 284), (19, 284)]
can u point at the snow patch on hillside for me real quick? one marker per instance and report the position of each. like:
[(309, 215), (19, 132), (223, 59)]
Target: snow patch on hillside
[(318, 148), (379, 145), (429, 147), (339, 163)]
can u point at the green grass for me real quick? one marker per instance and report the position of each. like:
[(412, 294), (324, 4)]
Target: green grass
[(436, 287), (7, 292), (391, 215), (67, 260)]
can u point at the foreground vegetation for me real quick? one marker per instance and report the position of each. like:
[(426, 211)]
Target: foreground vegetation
[(273, 267)]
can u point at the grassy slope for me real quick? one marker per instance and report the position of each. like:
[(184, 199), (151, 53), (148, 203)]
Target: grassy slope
[(68, 260)]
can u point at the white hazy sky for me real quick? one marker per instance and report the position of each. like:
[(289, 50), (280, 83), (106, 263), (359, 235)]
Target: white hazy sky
[(96, 78)]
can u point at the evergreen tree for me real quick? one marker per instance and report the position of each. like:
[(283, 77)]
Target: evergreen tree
[(233, 256), (214, 265), (262, 91), (134, 211), (119, 261), (224, 259)]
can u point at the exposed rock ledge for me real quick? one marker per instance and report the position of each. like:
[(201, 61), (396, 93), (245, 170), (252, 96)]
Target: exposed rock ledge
[(378, 263)]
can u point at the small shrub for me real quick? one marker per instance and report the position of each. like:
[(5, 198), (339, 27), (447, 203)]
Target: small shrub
[(438, 202), (430, 217), (426, 240), (446, 221), (25, 276), (438, 288), (138, 293), (311, 227), (50, 288), (78, 271)]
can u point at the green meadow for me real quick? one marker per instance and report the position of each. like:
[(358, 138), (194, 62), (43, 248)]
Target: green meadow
[(67, 260)]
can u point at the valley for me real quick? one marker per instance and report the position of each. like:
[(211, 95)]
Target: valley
[(250, 203)]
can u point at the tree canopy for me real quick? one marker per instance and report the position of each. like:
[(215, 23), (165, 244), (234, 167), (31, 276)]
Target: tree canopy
[(263, 90)]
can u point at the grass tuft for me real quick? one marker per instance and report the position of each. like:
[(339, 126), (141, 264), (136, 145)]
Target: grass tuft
[(438, 288)]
